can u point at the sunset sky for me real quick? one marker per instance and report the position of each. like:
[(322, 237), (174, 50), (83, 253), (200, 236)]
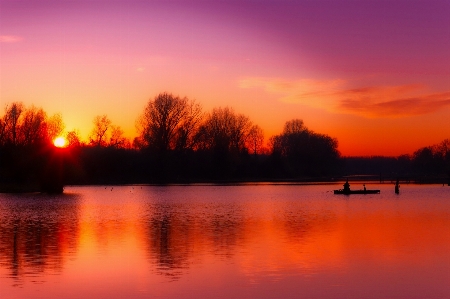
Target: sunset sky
[(373, 74)]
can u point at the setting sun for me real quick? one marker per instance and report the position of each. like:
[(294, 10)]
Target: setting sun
[(60, 142)]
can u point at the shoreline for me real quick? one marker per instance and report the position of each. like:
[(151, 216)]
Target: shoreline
[(36, 188)]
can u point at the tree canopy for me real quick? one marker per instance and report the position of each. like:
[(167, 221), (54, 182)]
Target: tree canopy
[(22, 126), (305, 152), (179, 142), (168, 123)]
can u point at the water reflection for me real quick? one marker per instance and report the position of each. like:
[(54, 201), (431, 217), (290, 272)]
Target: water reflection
[(37, 234), (222, 242), (180, 233), (168, 242), (184, 229)]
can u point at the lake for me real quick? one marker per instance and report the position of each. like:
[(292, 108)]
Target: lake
[(209, 241)]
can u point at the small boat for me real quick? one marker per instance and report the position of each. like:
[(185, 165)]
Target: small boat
[(347, 192)]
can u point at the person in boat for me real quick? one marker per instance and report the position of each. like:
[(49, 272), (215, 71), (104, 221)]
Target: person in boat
[(364, 187), (346, 186)]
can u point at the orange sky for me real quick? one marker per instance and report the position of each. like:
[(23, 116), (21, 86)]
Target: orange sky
[(375, 75)]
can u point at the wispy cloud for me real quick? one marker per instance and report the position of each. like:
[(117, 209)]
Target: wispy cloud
[(392, 101), (336, 96), (10, 39)]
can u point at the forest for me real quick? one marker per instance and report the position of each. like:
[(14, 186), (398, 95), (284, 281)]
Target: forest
[(179, 143)]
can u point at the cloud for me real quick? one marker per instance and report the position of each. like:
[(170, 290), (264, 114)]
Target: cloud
[(391, 102), (336, 96), (10, 39), (303, 88)]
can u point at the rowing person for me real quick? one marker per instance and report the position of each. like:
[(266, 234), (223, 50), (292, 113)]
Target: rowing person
[(347, 186)]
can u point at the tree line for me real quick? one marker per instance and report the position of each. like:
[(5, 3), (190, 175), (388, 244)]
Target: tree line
[(178, 142)]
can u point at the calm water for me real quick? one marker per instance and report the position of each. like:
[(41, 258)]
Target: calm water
[(255, 241)]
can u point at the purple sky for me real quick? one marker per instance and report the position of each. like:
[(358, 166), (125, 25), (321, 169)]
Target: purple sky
[(364, 72)]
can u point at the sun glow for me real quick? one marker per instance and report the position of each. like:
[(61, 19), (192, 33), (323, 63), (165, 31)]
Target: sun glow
[(60, 142)]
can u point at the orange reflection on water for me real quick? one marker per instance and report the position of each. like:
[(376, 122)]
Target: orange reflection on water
[(35, 241), (390, 240), (108, 229), (409, 237), (289, 242), (169, 243)]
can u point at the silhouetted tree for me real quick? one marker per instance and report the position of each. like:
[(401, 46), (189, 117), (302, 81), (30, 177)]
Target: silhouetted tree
[(424, 160), (29, 161), (305, 152), (105, 134), (222, 138), (32, 128), (73, 139), (98, 135), (255, 140), (23, 126), (293, 140), (444, 149), (224, 130), (185, 134), (295, 126), (10, 123), (55, 126), (433, 159), (117, 140), (2, 131), (168, 122)]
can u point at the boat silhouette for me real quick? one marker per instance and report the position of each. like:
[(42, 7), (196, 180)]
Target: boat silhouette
[(347, 190), (342, 191)]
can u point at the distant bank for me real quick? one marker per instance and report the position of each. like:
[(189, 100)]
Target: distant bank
[(56, 188)]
